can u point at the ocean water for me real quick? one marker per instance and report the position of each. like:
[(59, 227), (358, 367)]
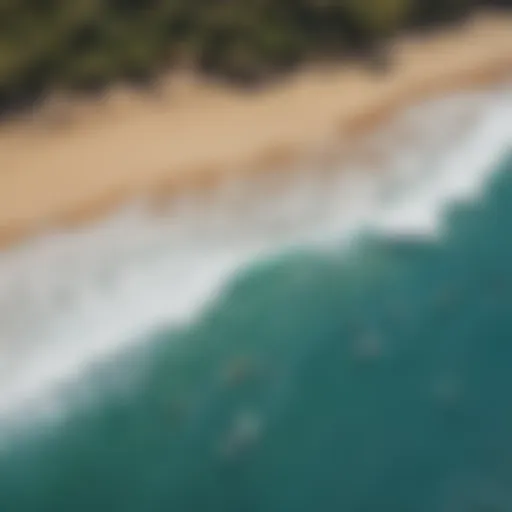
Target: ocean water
[(349, 348)]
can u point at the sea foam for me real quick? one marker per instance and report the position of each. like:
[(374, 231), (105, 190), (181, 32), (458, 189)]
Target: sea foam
[(69, 300)]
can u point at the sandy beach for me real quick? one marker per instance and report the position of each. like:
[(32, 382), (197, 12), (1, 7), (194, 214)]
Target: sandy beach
[(190, 133)]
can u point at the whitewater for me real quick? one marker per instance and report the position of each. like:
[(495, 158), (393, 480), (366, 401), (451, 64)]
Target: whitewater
[(73, 300)]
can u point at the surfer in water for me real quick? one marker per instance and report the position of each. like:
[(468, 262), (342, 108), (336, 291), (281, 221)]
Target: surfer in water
[(243, 435), (237, 371)]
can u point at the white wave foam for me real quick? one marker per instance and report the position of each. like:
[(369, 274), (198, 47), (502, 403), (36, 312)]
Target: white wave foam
[(459, 177), (69, 300)]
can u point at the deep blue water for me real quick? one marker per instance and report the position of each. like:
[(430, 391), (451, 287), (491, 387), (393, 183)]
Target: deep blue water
[(375, 380)]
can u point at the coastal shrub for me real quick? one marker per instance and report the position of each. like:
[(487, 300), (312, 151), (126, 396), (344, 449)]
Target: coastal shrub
[(374, 19), (76, 44)]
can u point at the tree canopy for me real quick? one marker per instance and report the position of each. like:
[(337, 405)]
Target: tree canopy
[(80, 44)]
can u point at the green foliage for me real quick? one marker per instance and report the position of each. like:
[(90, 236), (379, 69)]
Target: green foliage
[(376, 18), (89, 43)]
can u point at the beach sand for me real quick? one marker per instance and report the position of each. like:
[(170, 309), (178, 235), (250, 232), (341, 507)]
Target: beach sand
[(62, 168)]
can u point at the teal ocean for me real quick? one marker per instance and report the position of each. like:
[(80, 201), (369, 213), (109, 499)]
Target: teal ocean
[(373, 378)]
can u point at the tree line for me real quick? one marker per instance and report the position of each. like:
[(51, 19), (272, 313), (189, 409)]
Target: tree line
[(86, 44)]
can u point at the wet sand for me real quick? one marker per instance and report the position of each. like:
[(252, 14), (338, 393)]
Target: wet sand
[(71, 165)]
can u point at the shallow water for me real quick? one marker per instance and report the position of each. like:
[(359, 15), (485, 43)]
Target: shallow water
[(325, 376)]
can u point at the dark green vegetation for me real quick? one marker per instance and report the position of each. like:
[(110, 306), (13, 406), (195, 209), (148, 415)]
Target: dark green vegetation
[(80, 44)]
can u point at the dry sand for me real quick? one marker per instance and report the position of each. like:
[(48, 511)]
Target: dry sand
[(66, 168)]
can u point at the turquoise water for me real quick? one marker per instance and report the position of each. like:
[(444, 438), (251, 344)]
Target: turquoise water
[(373, 380)]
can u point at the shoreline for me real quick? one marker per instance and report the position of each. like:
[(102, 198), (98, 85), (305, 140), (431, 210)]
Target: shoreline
[(195, 135), (109, 287)]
